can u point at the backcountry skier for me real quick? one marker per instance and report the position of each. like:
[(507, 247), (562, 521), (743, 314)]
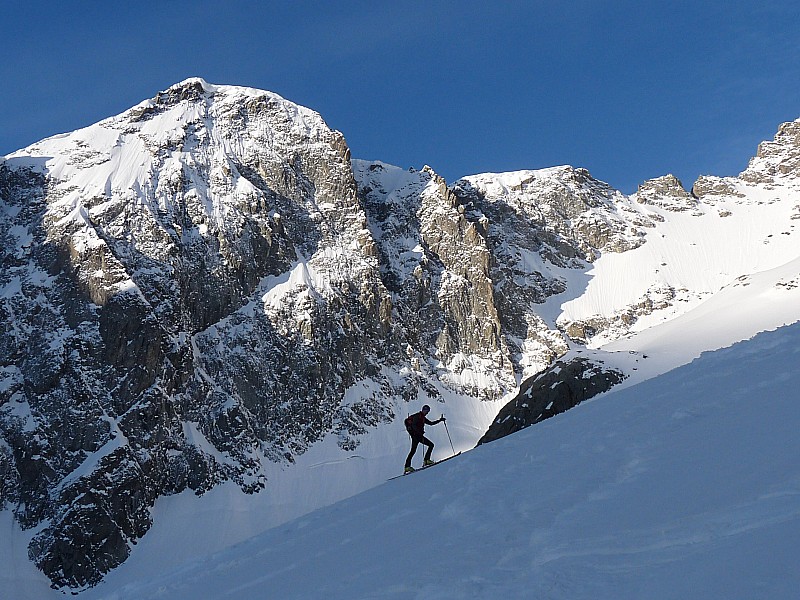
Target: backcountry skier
[(415, 425)]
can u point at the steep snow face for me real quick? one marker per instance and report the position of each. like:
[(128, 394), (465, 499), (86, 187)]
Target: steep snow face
[(697, 247)]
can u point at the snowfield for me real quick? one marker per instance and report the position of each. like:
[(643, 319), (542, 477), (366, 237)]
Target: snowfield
[(684, 486)]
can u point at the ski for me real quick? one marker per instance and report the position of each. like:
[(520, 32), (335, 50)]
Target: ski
[(438, 462)]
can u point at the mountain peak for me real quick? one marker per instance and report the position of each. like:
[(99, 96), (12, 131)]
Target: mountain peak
[(776, 160), (194, 81), (195, 86), (666, 192)]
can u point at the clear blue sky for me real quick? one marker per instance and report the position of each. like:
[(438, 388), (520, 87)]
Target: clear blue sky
[(627, 89)]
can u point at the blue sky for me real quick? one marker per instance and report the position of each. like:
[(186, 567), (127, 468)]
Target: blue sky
[(627, 89)]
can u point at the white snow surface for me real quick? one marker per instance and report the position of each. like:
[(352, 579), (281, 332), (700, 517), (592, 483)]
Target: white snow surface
[(684, 486), (695, 254)]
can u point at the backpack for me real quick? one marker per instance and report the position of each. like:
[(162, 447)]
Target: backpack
[(412, 423)]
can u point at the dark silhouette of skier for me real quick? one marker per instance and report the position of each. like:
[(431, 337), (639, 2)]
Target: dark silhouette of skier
[(415, 425)]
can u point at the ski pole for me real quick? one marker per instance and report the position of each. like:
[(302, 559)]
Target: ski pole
[(448, 434)]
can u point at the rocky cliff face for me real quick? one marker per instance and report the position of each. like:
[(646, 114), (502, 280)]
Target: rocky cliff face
[(666, 192), (435, 262), (542, 228), (776, 159), (193, 274), (188, 290)]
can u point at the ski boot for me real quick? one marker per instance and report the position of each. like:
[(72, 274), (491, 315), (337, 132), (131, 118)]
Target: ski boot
[(428, 462), (408, 470)]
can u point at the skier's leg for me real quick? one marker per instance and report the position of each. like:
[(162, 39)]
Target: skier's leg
[(429, 444), (414, 444)]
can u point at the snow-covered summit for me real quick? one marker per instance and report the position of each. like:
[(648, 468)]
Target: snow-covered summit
[(176, 121), (777, 161)]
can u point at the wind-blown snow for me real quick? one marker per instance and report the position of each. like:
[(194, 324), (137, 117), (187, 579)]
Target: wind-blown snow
[(685, 486), (761, 302)]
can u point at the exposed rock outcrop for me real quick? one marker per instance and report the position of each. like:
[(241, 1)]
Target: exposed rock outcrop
[(666, 192), (562, 386), (777, 158)]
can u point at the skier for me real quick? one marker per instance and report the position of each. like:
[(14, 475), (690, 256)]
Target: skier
[(415, 425)]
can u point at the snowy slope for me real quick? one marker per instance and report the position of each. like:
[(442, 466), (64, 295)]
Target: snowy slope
[(684, 486), (690, 256), (759, 302), (753, 303)]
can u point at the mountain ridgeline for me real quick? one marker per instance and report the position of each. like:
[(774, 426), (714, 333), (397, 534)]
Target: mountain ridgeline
[(190, 290)]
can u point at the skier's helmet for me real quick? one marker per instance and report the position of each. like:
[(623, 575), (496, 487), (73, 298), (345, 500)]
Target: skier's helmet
[(426, 409)]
